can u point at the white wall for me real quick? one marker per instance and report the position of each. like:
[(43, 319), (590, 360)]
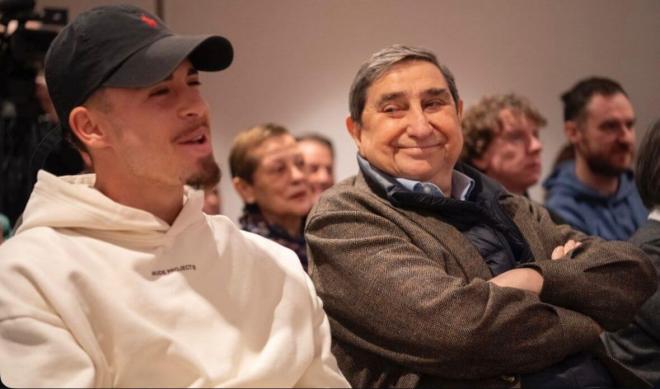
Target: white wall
[(295, 59)]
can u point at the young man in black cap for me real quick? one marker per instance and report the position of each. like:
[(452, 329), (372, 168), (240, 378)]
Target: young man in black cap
[(118, 278)]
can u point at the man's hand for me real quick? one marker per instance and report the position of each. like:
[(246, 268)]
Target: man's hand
[(523, 278), (561, 251)]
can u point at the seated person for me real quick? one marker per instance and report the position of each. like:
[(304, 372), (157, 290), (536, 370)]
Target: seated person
[(212, 199), (638, 344), (502, 140), (319, 158), (433, 275), (595, 190), (267, 170), (117, 279)]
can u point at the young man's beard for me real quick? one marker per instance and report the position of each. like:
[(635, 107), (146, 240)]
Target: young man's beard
[(601, 165), (209, 174)]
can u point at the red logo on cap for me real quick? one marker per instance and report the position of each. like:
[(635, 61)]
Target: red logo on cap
[(148, 21)]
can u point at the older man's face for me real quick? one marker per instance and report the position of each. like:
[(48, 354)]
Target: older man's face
[(410, 124)]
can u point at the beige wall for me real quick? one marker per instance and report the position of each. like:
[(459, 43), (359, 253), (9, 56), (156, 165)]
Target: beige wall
[(295, 59)]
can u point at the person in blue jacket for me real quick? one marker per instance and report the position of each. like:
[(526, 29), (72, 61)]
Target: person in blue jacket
[(595, 192)]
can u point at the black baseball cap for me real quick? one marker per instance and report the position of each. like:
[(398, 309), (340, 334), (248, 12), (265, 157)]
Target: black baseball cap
[(122, 46)]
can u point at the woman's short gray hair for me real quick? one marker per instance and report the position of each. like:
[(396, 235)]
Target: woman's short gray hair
[(380, 63)]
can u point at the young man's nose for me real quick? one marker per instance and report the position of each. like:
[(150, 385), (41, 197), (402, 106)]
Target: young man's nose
[(192, 103), (535, 145), (627, 135)]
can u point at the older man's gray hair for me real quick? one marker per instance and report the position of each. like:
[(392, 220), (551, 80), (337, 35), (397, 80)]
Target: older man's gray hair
[(380, 63)]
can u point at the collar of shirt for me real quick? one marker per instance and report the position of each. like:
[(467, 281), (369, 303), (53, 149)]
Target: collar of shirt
[(461, 184)]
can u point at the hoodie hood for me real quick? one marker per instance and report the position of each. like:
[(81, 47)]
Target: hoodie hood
[(72, 202), (563, 181)]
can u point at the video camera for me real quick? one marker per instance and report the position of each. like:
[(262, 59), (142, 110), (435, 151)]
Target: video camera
[(25, 36), (28, 137)]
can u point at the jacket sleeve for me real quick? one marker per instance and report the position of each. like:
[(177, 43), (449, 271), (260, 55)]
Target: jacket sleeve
[(323, 372), (385, 296), (605, 280)]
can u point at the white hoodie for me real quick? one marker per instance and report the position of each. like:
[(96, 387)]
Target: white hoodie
[(97, 294)]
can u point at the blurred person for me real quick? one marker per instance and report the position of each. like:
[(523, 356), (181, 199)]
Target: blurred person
[(209, 185), (595, 192), (433, 275), (501, 135), (29, 141), (212, 204), (319, 155), (212, 200), (638, 344), (117, 279), (267, 169)]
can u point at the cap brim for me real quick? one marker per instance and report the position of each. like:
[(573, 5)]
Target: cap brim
[(158, 60)]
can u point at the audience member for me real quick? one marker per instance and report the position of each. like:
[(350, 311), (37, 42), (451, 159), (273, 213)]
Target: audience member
[(434, 276), (638, 345), (212, 200), (267, 170), (596, 193), (502, 140), (117, 279), (319, 158)]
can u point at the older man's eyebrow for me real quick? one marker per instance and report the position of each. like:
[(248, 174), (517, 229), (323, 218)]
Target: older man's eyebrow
[(436, 92)]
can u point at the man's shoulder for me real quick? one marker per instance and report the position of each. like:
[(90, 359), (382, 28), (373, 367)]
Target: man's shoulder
[(34, 243), (349, 194), (254, 251)]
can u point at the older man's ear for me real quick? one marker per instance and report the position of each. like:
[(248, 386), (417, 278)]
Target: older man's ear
[(355, 130)]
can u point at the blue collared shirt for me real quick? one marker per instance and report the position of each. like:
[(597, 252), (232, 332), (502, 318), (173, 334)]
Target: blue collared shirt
[(461, 185)]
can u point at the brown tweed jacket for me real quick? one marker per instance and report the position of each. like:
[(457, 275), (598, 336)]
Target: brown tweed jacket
[(409, 304)]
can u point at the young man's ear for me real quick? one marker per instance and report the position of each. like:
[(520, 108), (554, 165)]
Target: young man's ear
[(355, 130), (245, 190), (85, 126), (572, 131)]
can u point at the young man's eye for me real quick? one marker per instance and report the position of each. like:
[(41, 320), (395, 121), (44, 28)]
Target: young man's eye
[(194, 82), (159, 92)]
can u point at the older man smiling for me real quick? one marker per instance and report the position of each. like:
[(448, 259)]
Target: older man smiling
[(434, 276)]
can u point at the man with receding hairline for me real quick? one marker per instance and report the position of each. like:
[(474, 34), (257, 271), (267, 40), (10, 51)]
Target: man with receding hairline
[(433, 275)]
